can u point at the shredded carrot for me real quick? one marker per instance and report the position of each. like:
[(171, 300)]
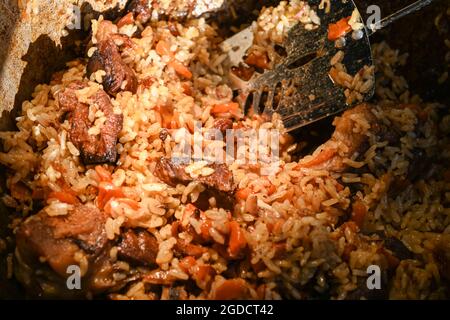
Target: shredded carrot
[(322, 157), (231, 107), (187, 89), (237, 240), (62, 196), (163, 49), (204, 228), (126, 19), (187, 263), (339, 29), (203, 275), (133, 204), (106, 192), (202, 271), (103, 174), (180, 68), (359, 212), (194, 250), (243, 194), (271, 190)]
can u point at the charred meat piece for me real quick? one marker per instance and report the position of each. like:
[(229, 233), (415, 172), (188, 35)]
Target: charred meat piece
[(138, 247), (93, 148), (173, 174), (219, 184), (119, 76), (48, 245)]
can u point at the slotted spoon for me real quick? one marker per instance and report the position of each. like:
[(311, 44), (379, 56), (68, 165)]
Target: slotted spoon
[(300, 88)]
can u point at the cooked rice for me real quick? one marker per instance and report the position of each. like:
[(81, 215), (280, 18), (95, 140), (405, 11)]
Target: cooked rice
[(292, 221)]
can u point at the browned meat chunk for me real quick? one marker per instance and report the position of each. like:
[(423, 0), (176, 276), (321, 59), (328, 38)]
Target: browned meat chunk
[(173, 174), (141, 10), (139, 247), (56, 239), (93, 148), (48, 245), (119, 76), (219, 184)]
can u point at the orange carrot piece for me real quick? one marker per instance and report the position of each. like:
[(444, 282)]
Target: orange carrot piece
[(359, 213), (322, 157), (237, 240), (62, 196), (231, 107), (271, 190), (103, 174), (126, 19), (243, 194), (203, 275), (194, 250), (187, 89), (106, 192), (180, 68), (133, 204), (163, 49), (187, 263), (339, 29), (204, 228)]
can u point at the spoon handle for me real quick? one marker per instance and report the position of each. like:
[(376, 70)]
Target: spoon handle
[(416, 6)]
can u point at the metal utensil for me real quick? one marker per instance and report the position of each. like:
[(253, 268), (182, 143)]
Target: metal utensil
[(300, 88)]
